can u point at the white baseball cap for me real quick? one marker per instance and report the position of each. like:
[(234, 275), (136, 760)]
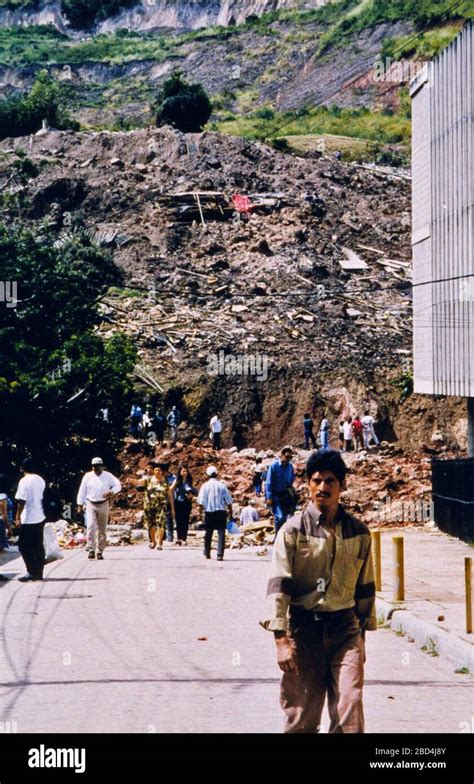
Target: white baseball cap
[(97, 461), (211, 471)]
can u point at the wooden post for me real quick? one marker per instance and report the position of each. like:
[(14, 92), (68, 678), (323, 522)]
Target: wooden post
[(468, 576), (198, 200), (398, 570), (377, 556)]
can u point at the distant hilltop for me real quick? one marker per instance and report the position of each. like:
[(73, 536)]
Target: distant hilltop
[(150, 14)]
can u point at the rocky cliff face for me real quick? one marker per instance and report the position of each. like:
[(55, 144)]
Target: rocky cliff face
[(153, 14)]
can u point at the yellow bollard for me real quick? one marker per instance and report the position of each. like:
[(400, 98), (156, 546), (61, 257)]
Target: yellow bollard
[(467, 575), (377, 556), (398, 570)]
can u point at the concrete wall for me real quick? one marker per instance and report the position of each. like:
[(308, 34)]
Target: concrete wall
[(443, 221)]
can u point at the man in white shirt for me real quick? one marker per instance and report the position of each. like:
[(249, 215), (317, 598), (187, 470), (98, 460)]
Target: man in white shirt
[(30, 516), (324, 433), (216, 501), (368, 432), (97, 487), (348, 433), (216, 430)]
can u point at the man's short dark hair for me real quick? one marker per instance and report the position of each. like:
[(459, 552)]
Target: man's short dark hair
[(28, 465), (327, 460)]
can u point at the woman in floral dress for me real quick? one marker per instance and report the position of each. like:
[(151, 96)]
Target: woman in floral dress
[(158, 497)]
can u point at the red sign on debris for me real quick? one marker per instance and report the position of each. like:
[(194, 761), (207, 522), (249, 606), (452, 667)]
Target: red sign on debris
[(241, 203)]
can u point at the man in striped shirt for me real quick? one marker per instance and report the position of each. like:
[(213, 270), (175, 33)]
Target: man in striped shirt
[(321, 597)]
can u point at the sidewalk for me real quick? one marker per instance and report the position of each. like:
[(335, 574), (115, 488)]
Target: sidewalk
[(434, 611)]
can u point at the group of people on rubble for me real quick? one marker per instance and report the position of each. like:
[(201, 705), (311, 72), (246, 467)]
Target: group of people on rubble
[(354, 434), (151, 426)]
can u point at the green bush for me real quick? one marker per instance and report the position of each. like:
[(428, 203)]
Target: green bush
[(23, 114), (183, 105)]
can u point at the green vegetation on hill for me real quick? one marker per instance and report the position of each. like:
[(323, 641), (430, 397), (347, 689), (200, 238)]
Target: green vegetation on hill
[(270, 48), (424, 13), (381, 126), (23, 114)]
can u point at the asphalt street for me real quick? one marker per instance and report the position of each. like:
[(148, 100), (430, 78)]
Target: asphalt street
[(149, 641)]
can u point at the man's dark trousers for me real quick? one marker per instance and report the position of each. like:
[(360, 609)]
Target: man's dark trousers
[(31, 547), (215, 521), (216, 440)]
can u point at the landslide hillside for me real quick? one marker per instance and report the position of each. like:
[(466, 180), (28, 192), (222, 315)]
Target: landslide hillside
[(205, 280), (278, 68)]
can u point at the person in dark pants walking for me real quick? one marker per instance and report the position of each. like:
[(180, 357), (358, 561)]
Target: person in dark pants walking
[(308, 432), (183, 491), (170, 478), (159, 424), (216, 430), (31, 518), (216, 501), (278, 488)]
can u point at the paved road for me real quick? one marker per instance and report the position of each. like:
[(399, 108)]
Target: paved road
[(113, 646)]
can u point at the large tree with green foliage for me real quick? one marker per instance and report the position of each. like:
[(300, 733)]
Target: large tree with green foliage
[(56, 372), (47, 100), (183, 105)]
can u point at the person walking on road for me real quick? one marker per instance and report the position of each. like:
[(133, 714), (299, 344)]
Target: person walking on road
[(173, 419), (31, 519), (216, 502), (369, 431), (96, 490), (158, 504), (308, 432), (324, 433), (279, 487), (321, 600), (183, 492), (170, 516), (4, 513), (216, 430)]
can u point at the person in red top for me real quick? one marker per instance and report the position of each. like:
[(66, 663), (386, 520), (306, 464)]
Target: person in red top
[(357, 428)]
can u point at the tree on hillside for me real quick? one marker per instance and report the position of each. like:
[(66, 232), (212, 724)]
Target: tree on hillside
[(47, 100), (84, 14), (183, 105), (56, 371)]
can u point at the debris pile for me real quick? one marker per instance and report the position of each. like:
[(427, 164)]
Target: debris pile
[(385, 487), (232, 244)]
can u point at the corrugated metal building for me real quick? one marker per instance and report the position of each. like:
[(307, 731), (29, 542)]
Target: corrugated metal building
[(443, 233)]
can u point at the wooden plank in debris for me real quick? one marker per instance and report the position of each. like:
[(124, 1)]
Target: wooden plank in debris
[(198, 202), (352, 261)]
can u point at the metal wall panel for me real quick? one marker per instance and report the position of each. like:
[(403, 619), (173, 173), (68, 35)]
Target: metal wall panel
[(443, 221)]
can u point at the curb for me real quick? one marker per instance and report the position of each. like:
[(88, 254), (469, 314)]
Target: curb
[(450, 647)]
